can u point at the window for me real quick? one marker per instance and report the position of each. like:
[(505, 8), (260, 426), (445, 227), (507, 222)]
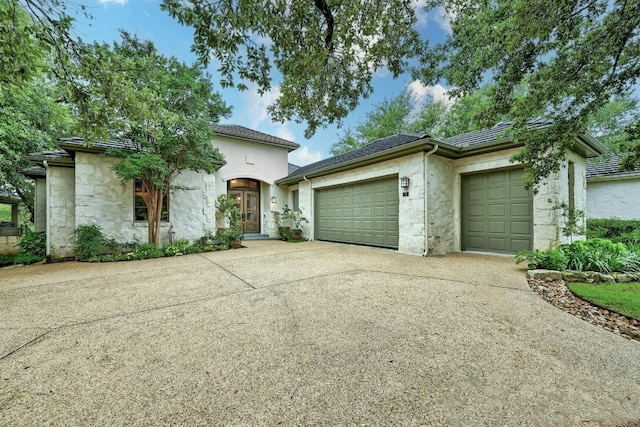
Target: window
[(140, 208), (296, 200)]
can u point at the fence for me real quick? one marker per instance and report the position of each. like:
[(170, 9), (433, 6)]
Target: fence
[(11, 229)]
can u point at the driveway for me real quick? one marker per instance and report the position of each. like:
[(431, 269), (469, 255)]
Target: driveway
[(309, 333)]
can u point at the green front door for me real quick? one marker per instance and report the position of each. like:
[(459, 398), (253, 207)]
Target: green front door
[(364, 213), (497, 212)]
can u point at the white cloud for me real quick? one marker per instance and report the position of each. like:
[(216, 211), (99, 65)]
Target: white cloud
[(421, 13), (303, 156), (284, 132), (439, 93), (443, 18), (118, 2), (256, 105)]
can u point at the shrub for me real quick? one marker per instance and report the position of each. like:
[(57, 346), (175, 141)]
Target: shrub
[(146, 251), (34, 243), (616, 230), (553, 259), (25, 258), (89, 242), (6, 260), (179, 247)]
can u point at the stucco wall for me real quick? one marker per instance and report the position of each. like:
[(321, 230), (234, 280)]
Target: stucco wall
[(411, 207), (104, 200), (61, 183), (263, 162), (614, 198)]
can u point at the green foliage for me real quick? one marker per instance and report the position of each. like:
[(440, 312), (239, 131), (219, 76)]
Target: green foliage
[(6, 260), (90, 242), (600, 255), (25, 258), (623, 298), (296, 218), (554, 259), (224, 203), (325, 52), (34, 244), (616, 230), (178, 247), (572, 218), (145, 251), (572, 58)]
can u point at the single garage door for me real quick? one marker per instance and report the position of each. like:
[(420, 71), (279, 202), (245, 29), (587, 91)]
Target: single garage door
[(497, 212), (365, 213)]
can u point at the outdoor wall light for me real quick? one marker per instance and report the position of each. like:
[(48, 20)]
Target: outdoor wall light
[(273, 200), (404, 182)]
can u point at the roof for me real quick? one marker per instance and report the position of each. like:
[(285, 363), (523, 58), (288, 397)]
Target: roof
[(242, 132), (81, 144), (366, 151), (607, 166), (493, 134), (459, 146), (292, 168)]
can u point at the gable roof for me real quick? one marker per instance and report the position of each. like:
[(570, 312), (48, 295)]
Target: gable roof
[(242, 132), (607, 167), (373, 152)]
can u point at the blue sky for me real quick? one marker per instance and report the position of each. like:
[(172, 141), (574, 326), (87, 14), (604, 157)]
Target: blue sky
[(145, 19)]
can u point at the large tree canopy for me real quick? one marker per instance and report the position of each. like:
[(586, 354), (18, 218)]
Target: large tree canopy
[(326, 51), (571, 58), (165, 107)]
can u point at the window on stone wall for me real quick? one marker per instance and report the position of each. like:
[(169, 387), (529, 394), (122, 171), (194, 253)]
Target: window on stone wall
[(140, 212)]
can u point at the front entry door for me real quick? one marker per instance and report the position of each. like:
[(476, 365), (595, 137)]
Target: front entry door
[(249, 203)]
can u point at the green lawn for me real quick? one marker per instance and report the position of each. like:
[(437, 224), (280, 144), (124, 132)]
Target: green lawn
[(623, 298)]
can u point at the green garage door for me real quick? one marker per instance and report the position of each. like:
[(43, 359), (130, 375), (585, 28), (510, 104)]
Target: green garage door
[(497, 212), (364, 213)]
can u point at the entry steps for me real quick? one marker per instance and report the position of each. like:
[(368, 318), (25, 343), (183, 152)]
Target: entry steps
[(257, 236)]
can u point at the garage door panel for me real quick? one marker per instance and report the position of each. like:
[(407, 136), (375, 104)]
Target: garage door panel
[(365, 212), (497, 212)]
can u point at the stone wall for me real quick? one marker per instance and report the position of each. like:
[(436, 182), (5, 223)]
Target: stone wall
[(9, 245), (440, 224), (61, 183)]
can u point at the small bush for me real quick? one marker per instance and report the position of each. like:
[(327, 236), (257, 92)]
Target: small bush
[(179, 247), (24, 258), (146, 251), (34, 243), (89, 242), (6, 260), (554, 259), (616, 230)]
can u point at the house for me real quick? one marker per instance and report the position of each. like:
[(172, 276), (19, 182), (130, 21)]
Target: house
[(407, 192), (612, 193), (422, 196), (77, 185)]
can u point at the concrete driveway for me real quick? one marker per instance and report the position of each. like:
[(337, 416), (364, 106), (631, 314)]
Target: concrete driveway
[(310, 333)]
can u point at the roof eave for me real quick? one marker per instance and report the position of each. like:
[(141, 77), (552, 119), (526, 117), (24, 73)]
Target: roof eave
[(57, 161), (614, 177), (589, 147), (244, 138), (392, 153)]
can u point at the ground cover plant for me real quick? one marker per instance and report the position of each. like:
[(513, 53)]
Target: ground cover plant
[(623, 298), (616, 230)]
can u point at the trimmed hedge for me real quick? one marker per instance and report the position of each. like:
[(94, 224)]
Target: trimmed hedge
[(616, 230)]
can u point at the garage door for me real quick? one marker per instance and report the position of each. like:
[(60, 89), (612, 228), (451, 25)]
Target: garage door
[(497, 212), (364, 213)]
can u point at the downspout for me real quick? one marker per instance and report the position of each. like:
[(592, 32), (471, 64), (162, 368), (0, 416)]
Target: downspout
[(426, 190), (47, 227), (311, 213)]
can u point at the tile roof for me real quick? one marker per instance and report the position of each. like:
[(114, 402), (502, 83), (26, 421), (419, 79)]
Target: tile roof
[(292, 168), (79, 142), (606, 166), (374, 147), (246, 133), (493, 134)]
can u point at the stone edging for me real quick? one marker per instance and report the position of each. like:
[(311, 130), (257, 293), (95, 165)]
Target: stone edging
[(552, 288)]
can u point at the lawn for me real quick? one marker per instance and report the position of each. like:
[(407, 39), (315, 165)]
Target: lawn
[(5, 213), (623, 298)]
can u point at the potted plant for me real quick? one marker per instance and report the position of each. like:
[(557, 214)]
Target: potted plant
[(283, 229), (235, 238), (296, 218), (224, 204)]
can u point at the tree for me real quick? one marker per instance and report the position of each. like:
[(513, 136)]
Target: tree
[(164, 107), (347, 142), (326, 51), (30, 120), (31, 31), (571, 57)]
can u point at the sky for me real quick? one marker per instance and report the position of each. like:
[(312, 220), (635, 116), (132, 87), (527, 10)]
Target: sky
[(145, 19)]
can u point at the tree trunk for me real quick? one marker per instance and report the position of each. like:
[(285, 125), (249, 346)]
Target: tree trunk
[(153, 199)]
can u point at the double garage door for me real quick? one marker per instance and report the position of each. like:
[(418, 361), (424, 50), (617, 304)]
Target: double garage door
[(364, 213), (497, 212)]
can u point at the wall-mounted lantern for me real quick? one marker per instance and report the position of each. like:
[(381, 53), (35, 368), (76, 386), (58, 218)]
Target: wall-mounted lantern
[(273, 200), (404, 183)]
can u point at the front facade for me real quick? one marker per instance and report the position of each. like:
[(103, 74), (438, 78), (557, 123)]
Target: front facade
[(77, 186), (407, 192), (463, 193), (612, 193)]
